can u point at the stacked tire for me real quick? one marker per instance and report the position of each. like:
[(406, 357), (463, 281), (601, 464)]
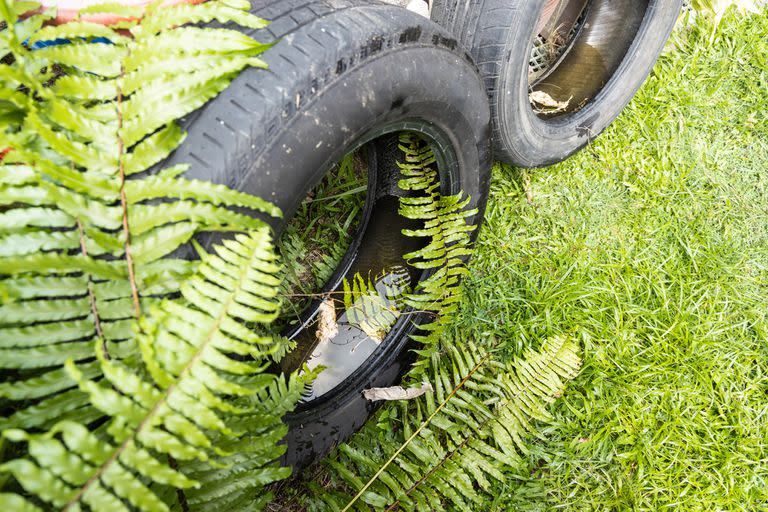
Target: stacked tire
[(342, 74), (608, 54)]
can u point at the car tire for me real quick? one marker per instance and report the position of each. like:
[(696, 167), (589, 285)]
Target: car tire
[(609, 55), (341, 73)]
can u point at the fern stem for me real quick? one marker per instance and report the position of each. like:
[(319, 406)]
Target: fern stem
[(417, 431), (92, 294), (124, 200)]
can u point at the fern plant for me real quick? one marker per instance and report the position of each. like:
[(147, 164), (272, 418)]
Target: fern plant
[(132, 380), (176, 406), (445, 226), (447, 449), (84, 227)]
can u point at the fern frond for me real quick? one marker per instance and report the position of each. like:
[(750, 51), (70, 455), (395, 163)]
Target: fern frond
[(84, 226), (177, 405), (446, 226), (449, 447), (237, 481), (374, 311)]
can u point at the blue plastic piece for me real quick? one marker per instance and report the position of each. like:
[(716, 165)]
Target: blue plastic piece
[(58, 42)]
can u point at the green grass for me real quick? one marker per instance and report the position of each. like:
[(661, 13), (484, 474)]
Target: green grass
[(317, 237), (651, 248)]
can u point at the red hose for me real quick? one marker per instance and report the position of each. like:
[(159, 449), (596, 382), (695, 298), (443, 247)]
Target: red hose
[(67, 9)]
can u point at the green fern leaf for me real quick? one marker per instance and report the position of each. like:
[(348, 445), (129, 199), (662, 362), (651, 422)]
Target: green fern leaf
[(446, 225), (163, 187), (153, 149), (77, 29), (372, 311), (17, 503), (83, 86), (99, 59), (116, 8), (82, 233), (219, 11), (451, 447), (177, 409)]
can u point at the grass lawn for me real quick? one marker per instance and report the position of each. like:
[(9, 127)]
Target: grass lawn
[(651, 248)]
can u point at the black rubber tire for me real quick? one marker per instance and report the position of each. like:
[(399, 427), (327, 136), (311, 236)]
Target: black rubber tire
[(499, 34), (338, 72)]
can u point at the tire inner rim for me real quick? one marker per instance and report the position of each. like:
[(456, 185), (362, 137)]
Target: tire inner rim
[(358, 312), (578, 47)]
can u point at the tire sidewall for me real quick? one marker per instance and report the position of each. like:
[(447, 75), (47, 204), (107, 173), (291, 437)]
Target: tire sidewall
[(359, 104)]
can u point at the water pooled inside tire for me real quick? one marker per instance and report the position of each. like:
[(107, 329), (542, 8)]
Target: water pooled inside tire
[(367, 300), (380, 257)]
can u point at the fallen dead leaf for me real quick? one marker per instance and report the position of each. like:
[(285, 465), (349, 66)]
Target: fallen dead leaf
[(327, 328), (548, 102), (397, 392)]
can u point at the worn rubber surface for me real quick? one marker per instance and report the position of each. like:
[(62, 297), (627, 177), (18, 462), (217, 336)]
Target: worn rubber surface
[(499, 33), (340, 71)]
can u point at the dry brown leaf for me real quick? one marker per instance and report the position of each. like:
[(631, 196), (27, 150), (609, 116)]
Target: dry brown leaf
[(548, 102), (397, 392), (327, 328)]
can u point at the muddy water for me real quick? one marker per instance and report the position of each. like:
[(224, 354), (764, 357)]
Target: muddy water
[(577, 83), (381, 260), (610, 27)]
